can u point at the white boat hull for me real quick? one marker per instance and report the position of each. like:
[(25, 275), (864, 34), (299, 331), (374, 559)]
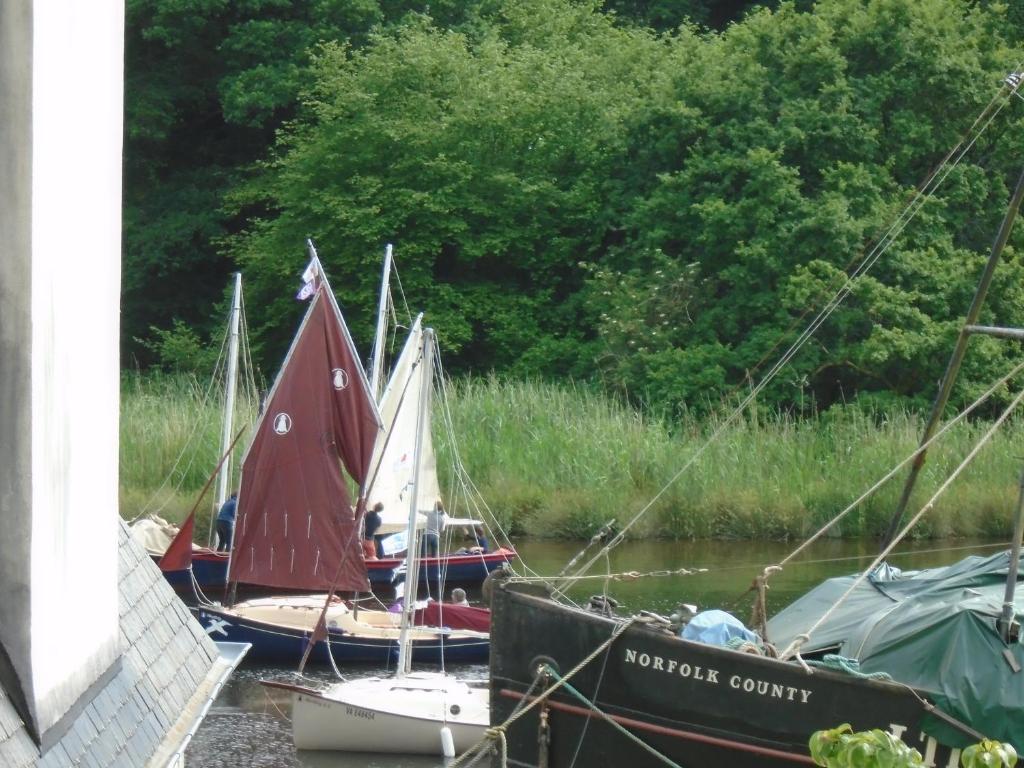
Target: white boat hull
[(394, 715)]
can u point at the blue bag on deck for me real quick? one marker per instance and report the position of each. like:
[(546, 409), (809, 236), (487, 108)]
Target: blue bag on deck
[(716, 628)]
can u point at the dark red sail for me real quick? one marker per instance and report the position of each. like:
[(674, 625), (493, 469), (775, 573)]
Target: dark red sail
[(453, 616), (178, 556), (296, 525)]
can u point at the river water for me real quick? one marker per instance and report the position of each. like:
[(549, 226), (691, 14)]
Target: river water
[(248, 725)]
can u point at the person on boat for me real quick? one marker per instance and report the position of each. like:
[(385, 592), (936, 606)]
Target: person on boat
[(371, 523), (459, 596), (432, 532), (481, 540), (226, 523)]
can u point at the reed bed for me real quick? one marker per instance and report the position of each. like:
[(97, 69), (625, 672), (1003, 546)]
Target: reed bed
[(557, 460), (170, 445)]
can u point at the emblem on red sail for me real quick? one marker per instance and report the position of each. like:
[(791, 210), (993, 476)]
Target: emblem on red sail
[(339, 377), (282, 423)]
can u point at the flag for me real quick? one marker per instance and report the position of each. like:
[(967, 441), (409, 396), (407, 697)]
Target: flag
[(309, 280), (178, 556)]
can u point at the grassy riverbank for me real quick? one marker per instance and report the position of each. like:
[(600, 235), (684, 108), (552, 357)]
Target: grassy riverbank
[(558, 461)]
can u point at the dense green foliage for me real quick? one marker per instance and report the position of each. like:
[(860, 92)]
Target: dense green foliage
[(558, 461), (572, 193)]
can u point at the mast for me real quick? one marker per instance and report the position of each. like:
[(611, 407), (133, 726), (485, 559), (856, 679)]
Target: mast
[(320, 398), (377, 355), (224, 479), (1008, 627), (412, 575), (953, 367)]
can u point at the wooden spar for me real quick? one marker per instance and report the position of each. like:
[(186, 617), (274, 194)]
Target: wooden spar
[(1014, 334), (953, 367), (1008, 627)]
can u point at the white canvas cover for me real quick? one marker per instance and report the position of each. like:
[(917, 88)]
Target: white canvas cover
[(393, 454), (155, 534)]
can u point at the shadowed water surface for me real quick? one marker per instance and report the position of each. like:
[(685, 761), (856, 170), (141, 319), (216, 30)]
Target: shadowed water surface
[(248, 725)]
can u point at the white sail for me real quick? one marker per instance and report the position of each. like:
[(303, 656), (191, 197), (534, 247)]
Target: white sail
[(392, 462)]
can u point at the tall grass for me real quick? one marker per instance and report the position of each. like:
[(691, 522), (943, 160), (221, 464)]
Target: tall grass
[(170, 445), (560, 461)]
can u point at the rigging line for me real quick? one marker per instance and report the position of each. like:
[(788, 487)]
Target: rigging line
[(465, 481), (794, 646), (617, 539), (478, 503), (925, 191), (182, 473), (201, 599), (895, 470), (879, 239), (883, 242), (146, 509), (903, 553), (480, 747), (475, 497), (593, 698), (614, 723), (699, 570), (870, 260), (500, 538), (626, 575), (401, 291), (792, 351), (274, 704)]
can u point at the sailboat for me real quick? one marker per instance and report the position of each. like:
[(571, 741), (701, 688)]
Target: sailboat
[(297, 528), (934, 657), (392, 464), (409, 712)]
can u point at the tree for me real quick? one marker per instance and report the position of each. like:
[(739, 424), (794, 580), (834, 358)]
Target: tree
[(487, 156)]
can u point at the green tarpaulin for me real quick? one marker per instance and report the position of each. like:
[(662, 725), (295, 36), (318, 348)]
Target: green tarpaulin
[(934, 630)]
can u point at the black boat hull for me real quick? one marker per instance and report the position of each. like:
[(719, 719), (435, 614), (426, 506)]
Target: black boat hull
[(700, 705)]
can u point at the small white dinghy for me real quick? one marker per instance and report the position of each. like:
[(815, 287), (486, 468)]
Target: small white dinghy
[(395, 714)]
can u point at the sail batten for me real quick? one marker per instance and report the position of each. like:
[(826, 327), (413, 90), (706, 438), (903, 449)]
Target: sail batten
[(319, 418)]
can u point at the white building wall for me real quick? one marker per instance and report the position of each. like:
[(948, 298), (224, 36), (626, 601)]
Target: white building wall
[(76, 252), (59, 626)]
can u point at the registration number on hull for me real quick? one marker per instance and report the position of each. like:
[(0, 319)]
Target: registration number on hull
[(365, 714)]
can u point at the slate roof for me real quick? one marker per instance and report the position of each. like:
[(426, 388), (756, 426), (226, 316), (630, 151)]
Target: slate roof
[(166, 659)]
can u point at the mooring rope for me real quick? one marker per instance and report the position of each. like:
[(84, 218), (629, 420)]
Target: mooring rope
[(497, 733), (619, 576), (612, 722)]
